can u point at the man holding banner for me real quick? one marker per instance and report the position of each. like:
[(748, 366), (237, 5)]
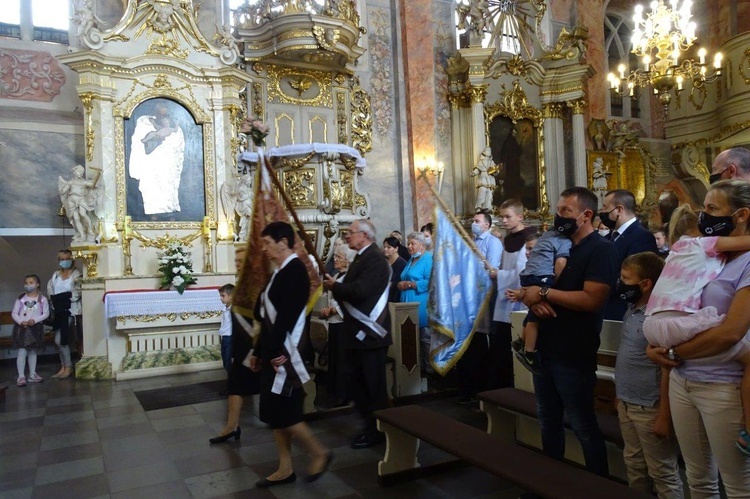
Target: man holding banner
[(364, 298)]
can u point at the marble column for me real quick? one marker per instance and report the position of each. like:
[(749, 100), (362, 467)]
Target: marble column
[(580, 174), (419, 76), (457, 151), (478, 142), (553, 150)]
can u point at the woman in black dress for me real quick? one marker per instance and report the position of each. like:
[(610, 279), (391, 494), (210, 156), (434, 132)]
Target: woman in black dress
[(281, 308), (241, 380), (398, 264)]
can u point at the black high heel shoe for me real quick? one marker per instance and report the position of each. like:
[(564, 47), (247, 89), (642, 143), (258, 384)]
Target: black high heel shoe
[(223, 438)]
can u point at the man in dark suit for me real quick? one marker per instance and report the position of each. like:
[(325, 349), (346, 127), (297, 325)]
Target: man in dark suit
[(629, 237), (364, 299)]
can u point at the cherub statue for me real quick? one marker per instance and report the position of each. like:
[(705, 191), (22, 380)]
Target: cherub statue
[(79, 197), (239, 199), (89, 25), (623, 136), (230, 51), (486, 184), (163, 21)]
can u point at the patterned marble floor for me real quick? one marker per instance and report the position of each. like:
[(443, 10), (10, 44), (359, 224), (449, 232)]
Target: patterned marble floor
[(81, 439)]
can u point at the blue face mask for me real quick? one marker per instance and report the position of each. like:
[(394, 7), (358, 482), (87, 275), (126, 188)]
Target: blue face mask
[(65, 264), (417, 254)]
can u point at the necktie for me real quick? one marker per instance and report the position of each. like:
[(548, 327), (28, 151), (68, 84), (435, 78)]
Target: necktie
[(615, 235)]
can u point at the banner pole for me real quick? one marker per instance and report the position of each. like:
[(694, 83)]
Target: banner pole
[(457, 225), (303, 235)]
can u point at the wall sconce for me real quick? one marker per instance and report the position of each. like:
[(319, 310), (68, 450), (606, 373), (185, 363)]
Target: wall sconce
[(434, 168)]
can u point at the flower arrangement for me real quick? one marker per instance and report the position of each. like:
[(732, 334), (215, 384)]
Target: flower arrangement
[(176, 267), (256, 129)]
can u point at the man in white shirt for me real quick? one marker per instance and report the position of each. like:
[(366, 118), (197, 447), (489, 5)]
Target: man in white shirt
[(473, 366)]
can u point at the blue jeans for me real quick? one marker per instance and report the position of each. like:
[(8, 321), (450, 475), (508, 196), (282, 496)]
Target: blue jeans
[(226, 352), (570, 390)]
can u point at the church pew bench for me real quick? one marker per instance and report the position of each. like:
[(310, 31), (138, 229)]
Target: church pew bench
[(405, 426), (6, 321), (504, 404)]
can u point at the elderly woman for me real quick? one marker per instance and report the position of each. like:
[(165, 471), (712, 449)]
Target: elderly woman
[(704, 395), (415, 287), (338, 367), (391, 245)]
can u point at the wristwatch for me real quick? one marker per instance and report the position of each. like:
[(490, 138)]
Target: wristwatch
[(672, 355), (543, 292)]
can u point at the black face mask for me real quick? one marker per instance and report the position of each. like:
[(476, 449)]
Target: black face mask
[(631, 293), (710, 225), (566, 226), (715, 177), (608, 222)]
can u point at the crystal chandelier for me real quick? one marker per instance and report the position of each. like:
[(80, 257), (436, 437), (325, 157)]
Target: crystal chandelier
[(658, 40)]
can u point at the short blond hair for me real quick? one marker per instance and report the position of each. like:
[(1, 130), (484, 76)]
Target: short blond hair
[(513, 204)]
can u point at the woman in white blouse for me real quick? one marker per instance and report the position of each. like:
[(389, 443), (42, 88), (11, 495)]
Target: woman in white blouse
[(64, 294)]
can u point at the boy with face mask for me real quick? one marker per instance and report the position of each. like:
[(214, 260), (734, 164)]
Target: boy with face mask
[(675, 313), (642, 388)]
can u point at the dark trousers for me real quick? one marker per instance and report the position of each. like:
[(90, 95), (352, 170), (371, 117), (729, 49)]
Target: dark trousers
[(226, 352), (369, 388), (472, 367), (500, 364), (563, 389)]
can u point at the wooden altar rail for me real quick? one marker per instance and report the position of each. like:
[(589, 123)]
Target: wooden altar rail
[(152, 342)]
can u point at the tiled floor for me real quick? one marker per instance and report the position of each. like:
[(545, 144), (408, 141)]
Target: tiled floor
[(69, 438)]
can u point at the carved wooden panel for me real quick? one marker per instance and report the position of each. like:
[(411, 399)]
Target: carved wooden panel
[(409, 344)]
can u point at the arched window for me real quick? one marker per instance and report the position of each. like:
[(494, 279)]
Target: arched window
[(617, 43)]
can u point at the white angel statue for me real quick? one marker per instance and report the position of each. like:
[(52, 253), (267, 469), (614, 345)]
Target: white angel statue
[(238, 199), (80, 197), (89, 25)]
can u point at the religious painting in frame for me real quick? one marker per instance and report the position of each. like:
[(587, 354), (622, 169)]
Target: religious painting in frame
[(164, 163), (513, 130)]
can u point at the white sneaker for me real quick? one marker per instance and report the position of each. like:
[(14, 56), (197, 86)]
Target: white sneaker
[(21, 381), (35, 378)]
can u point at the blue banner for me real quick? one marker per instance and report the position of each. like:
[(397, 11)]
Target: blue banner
[(460, 292)]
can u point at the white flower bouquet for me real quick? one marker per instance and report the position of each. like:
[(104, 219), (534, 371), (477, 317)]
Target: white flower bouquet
[(176, 267)]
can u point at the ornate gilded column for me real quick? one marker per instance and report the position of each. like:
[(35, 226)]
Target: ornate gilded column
[(554, 149), (477, 95), (579, 143)]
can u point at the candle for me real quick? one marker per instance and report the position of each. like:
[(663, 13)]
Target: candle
[(702, 55), (679, 82)]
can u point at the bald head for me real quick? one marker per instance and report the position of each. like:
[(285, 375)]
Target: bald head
[(733, 163)]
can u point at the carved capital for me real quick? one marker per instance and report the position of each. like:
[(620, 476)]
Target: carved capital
[(457, 100), (553, 110), (477, 94), (577, 106)]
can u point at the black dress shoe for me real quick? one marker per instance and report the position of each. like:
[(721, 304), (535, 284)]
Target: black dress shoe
[(315, 476), (223, 438), (265, 482), (366, 441)]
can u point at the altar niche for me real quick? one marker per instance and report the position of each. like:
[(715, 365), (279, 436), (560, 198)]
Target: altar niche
[(164, 163), (515, 149)]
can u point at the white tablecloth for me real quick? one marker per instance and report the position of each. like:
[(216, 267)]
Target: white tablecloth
[(161, 302), (304, 149)]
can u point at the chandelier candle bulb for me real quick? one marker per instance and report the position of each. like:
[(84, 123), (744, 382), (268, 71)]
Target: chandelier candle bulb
[(680, 79), (646, 62), (702, 55), (717, 60), (621, 69)]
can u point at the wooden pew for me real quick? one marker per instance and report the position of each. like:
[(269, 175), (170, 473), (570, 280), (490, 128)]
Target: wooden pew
[(405, 426), (503, 405)]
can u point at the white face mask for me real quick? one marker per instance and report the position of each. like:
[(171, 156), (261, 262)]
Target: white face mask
[(604, 232), (427, 240), (476, 229)]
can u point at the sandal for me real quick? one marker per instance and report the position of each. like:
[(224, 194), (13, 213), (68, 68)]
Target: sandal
[(745, 449)]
